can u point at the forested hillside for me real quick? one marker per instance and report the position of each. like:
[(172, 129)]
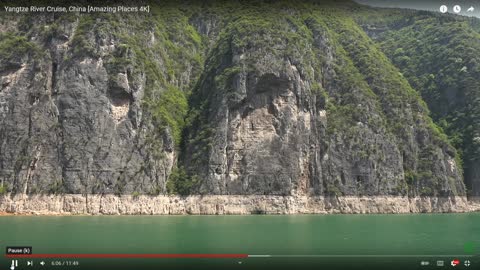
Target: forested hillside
[(229, 98), (438, 54)]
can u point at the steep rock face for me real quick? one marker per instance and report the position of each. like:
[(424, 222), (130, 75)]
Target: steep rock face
[(73, 118), (437, 53), (287, 108), (283, 100), (253, 141)]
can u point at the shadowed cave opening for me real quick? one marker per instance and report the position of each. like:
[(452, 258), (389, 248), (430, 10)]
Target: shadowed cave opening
[(271, 82), (119, 97)]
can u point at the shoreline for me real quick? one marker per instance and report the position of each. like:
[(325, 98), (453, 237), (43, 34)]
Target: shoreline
[(76, 204)]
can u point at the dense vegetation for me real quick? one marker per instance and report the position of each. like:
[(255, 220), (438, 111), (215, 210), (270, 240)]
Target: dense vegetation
[(255, 24), (13, 47), (388, 101), (187, 70), (438, 54)]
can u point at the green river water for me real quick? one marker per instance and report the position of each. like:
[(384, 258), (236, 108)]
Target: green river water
[(295, 241)]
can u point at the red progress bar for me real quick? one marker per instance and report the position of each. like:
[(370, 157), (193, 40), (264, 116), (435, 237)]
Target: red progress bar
[(129, 256)]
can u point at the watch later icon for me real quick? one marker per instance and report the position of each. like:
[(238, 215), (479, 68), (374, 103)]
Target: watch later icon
[(457, 9)]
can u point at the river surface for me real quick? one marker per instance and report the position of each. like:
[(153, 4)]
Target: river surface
[(348, 239)]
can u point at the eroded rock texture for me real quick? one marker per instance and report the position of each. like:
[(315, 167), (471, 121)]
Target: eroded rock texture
[(273, 99)]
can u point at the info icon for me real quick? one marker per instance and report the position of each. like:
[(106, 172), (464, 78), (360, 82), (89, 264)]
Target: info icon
[(443, 9)]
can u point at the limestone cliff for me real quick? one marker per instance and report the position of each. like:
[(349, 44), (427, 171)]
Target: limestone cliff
[(76, 104), (437, 54), (304, 103), (273, 99)]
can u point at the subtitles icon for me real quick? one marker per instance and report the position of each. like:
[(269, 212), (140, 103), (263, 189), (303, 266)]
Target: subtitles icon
[(440, 263)]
